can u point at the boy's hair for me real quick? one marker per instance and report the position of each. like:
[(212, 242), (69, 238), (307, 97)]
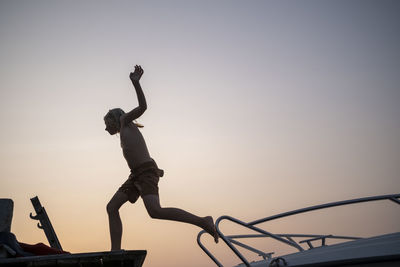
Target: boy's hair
[(115, 115)]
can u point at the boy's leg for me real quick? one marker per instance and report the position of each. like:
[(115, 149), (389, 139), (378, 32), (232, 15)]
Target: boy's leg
[(152, 204), (115, 223)]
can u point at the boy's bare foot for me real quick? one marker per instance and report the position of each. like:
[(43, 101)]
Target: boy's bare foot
[(209, 227)]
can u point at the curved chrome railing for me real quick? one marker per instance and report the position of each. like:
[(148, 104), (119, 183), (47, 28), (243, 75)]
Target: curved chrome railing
[(284, 238)]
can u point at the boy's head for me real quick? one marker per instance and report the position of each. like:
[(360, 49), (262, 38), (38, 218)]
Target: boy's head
[(112, 120)]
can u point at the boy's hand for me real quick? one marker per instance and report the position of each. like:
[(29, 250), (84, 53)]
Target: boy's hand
[(137, 74)]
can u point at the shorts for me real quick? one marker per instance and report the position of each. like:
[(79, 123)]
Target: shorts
[(142, 181)]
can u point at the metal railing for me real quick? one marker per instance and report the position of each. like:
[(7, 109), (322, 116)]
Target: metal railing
[(284, 238)]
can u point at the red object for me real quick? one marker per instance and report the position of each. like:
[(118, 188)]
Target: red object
[(41, 249)]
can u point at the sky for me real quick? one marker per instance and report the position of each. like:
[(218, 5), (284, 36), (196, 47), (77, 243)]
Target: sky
[(254, 108)]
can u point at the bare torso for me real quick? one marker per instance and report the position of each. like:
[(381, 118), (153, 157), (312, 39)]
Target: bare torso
[(133, 145)]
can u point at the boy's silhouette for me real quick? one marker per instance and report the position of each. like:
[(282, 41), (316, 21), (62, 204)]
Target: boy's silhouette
[(144, 177)]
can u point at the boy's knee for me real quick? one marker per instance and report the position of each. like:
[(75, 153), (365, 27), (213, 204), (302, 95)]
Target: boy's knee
[(154, 213), (111, 208)]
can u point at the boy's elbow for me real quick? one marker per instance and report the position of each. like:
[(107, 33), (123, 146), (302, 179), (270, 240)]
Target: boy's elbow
[(140, 110)]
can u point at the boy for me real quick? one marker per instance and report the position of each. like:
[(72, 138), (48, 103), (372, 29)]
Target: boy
[(144, 177)]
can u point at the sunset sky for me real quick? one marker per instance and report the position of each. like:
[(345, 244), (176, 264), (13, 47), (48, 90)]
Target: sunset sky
[(254, 108)]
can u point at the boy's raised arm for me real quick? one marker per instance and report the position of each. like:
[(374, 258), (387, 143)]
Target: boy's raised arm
[(138, 111)]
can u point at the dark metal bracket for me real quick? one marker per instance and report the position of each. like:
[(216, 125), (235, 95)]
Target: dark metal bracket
[(44, 223)]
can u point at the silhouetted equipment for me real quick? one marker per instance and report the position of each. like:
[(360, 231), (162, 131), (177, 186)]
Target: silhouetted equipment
[(45, 223), (6, 213)]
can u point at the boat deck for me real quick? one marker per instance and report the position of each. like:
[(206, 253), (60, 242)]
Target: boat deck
[(126, 258)]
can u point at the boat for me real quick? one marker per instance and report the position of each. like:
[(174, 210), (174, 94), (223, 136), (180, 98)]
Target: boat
[(15, 254), (382, 250)]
